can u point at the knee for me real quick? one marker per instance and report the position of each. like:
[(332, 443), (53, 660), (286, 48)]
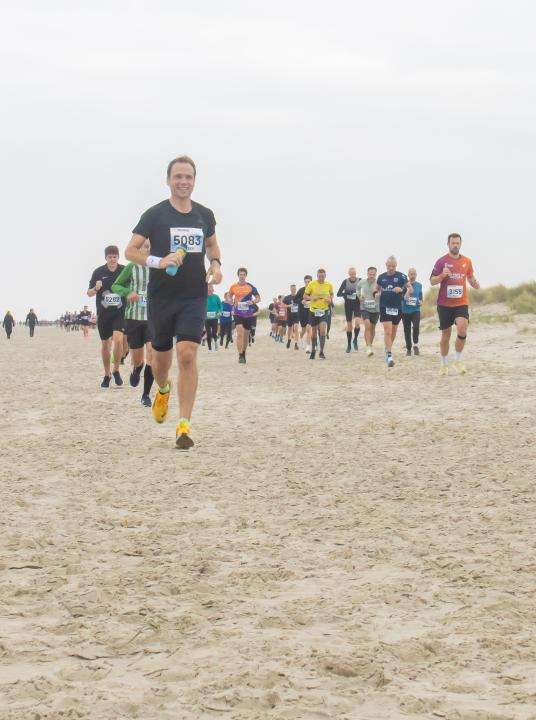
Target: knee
[(186, 358), (461, 337)]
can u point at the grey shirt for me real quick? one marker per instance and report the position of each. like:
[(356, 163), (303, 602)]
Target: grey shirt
[(371, 302)]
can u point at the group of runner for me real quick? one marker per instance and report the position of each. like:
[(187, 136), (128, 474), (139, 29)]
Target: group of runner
[(77, 319), (166, 294)]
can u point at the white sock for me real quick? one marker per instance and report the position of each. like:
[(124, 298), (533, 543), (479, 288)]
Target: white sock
[(444, 359), (458, 356)]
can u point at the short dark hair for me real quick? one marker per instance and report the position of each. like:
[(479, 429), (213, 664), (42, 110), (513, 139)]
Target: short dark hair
[(111, 250), (372, 268), (180, 159), (320, 270), (452, 236), (307, 277), (242, 269)]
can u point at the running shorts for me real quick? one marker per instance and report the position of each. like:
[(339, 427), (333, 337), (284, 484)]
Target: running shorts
[(315, 320), (246, 322), (392, 315), (108, 323), (180, 318), (372, 316), (137, 333), (293, 319), (448, 315), (352, 309)]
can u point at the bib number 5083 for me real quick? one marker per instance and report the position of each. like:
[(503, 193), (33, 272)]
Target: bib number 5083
[(188, 239)]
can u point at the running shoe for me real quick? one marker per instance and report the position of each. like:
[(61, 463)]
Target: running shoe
[(416, 350), (216, 347), (312, 355), (296, 346), (117, 378), (183, 441), (356, 345), (321, 355), (444, 370), (370, 352), (105, 381), (459, 367), (242, 358), (408, 352), (146, 401), (160, 405), (390, 361), (288, 344), (348, 349), (135, 376)]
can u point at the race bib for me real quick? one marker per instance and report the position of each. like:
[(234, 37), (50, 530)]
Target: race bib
[(294, 308), (142, 299), (351, 296), (110, 300), (188, 239), (411, 301), (370, 304), (226, 313), (307, 305), (454, 291), (211, 315), (320, 313), (282, 313), (391, 311), (243, 306)]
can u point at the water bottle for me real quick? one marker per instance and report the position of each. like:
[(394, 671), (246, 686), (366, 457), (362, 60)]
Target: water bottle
[(172, 269)]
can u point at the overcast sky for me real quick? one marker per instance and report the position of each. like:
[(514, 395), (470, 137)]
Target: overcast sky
[(325, 134)]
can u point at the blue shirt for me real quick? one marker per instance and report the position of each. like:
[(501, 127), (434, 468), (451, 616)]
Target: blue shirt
[(387, 283), (412, 304), (226, 313)]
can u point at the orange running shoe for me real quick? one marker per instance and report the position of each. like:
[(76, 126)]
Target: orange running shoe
[(160, 405), (183, 440)]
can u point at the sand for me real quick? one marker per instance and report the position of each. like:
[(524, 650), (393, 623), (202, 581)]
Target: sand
[(346, 541)]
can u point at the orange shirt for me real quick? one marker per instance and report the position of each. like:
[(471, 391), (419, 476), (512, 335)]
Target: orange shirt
[(453, 288)]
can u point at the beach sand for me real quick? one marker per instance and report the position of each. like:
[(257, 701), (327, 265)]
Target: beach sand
[(345, 541)]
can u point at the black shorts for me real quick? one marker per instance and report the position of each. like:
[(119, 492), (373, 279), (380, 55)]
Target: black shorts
[(304, 317), (315, 320), (108, 323), (137, 333), (272, 318), (448, 315), (281, 322), (293, 319), (246, 322), (182, 318), (372, 316), (352, 309), (389, 317)]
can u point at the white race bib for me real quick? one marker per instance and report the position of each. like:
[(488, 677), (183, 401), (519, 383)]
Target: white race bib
[(391, 311), (411, 301), (320, 313), (226, 313), (243, 306), (282, 313), (454, 291), (370, 304), (142, 299), (307, 305), (211, 315), (351, 296), (293, 308), (111, 300), (188, 239)]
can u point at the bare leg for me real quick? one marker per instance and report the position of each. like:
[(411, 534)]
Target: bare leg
[(161, 364), (444, 343), (105, 354), (118, 340), (188, 377)]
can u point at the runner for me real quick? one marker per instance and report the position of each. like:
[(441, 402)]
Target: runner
[(319, 293), (85, 319), (411, 313), (110, 313), (226, 321), (212, 318), (451, 272), (282, 313), (391, 285), (243, 296), (352, 310), (273, 319), (31, 321), (370, 306), (304, 315), (181, 232), (293, 318), (8, 324), (132, 285)]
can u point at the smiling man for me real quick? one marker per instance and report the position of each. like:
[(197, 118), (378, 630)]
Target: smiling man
[(181, 233)]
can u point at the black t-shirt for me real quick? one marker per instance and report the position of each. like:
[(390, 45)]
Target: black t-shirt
[(169, 230), (108, 302), (293, 302), (299, 300), (271, 309)]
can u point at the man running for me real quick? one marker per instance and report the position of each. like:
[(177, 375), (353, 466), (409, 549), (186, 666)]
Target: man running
[(244, 296), (212, 318), (304, 315), (391, 285), (411, 313), (226, 321), (85, 319), (352, 309), (181, 233), (319, 293), (451, 272), (132, 285), (370, 306), (273, 319), (293, 318), (110, 313), (281, 313), (31, 321)]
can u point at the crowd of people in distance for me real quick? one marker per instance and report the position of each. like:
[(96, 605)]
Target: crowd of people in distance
[(77, 319)]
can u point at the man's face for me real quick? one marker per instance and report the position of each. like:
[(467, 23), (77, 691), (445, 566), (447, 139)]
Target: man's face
[(307, 279), (181, 180), (321, 276), (293, 289), (112, 261), (371, 274), (391, 266), (242, 277), (455, 245), (412, 275), (352, 273)]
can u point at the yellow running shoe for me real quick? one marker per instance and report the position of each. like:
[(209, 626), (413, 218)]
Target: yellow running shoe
[(370, 351), (160, 405), (460, 367), (183, 440), (444, 370)]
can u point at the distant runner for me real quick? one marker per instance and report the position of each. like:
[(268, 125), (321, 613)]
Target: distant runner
[(370, 306), (411, 313), (244, 296), (212, 318), (391, 285), (319, 293), (352, 309)]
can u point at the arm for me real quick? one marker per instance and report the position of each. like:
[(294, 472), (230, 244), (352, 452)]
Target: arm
[(473, 282), (213, 254), (134, 254), (121, 286), (341, 292)]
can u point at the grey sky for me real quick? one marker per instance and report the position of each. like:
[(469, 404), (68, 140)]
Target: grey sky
[(325, 134)]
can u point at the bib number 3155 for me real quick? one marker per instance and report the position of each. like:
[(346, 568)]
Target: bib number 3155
[(188, 239)]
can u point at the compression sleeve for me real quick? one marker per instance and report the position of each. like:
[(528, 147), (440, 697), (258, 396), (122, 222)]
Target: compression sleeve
[(121, 285), (342, 290)]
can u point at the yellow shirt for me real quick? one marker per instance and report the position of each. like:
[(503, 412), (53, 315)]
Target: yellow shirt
[(323, 290)]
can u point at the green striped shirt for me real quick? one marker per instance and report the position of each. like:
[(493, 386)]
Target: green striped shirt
[(133, 278)]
